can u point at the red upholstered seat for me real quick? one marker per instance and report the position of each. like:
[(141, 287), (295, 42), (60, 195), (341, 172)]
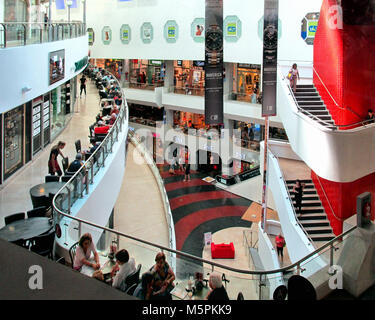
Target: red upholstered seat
[(222, 251)]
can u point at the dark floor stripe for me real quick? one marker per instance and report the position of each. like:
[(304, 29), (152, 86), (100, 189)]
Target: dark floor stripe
[(189, 190), (177, 178), (188, 209), (194, 243)]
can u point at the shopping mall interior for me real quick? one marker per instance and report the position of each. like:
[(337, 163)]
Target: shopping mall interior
[(197, 150)]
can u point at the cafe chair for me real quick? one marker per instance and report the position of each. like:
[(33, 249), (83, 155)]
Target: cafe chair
[(100, 137), (41, 201), (21, 243), (65, 163), (66, 178), (37, 212), (43, 244), (14, 217), (133, 278), (78, 146), (240, 296), (72, 253), (131, 289), (52, 179)]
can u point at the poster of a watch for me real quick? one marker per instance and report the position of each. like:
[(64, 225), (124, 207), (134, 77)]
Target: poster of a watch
[(214, 44)]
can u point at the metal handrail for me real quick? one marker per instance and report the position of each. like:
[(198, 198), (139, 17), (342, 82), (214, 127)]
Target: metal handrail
[(291, 201)]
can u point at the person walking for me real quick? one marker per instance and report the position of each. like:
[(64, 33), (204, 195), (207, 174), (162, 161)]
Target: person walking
[(280, 244), (293, 76), (83, 85), (298, 195), (53, 164), (45, 21), (187, 165)]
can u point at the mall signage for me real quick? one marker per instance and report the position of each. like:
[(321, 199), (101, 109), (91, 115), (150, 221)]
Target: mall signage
[(106, 35), (214, 62), (171, 31), (91, 36), (197, 30), (309, 26), (364, 209), (270, 40), (147, 32), (232, 28), (125, 34)]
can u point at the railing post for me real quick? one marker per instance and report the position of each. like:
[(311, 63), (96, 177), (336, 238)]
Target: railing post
[(92, 173), (24, 35), (103, 156), (81, 187), (260, 286), (41, 34), (69, 199), (79, 229), (87, 181), (5, 35)]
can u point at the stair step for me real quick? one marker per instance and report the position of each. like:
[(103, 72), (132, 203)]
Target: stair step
[(309, 198), (305, 86), (311, 90), (312, 108), (307, 186), (308, 98), (317, 214), (308, 204), (319, 113), (323, 237), (315, 223), (307, 94), (302, 180), (311, 103), (318, 230)]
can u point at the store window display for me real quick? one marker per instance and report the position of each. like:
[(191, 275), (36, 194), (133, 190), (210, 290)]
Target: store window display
[(189, 77), (146, 74), (13, 140), (247, 83)]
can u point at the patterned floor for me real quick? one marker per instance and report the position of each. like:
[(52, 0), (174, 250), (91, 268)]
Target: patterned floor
[(199, 207)]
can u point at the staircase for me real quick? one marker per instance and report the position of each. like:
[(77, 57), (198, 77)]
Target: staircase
[(310, 102), (313, 218)]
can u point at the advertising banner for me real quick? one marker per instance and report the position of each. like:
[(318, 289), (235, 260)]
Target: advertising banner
[(214, 62), (364, 210), (270, 37)]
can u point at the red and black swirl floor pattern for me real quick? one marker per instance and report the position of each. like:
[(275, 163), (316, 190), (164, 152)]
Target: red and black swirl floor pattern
[(199, 207)]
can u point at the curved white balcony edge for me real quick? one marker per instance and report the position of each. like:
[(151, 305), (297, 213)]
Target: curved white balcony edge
[(340, 156)]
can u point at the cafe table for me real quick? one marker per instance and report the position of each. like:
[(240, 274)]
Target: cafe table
[(40, 192), (26, 229), (179, 292), (106, 265)]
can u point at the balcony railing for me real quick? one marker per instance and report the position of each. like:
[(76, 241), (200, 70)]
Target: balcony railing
[(15, 34)]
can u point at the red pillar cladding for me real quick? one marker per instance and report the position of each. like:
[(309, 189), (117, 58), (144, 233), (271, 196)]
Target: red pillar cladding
[(344, 62)]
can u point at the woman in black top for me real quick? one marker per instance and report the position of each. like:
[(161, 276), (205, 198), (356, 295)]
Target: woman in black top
[(53, 164), (298, 194), (83, 85)]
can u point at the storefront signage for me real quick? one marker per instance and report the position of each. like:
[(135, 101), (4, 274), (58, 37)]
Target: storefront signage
[(171, 31), (198, 63), (197, 30), (106, 35), (309, 27), (270, 40), (214, 62), (125, 34), (91, 36), (232, 28), (248, 66), (155, 62), (147, 32), (249, 174), (81, 64)]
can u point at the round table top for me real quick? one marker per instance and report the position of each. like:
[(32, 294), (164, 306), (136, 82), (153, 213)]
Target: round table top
[(25, 229), (44, 189)]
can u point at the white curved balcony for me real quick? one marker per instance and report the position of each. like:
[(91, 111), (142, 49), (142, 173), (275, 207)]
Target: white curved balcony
[(335, 155)]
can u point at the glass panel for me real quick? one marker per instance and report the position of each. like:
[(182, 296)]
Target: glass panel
[(15, 35)]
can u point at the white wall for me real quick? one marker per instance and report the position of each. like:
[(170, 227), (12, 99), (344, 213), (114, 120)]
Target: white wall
[(29, 67), (248, 49)]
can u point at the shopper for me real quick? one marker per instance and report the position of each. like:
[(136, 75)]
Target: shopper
[(124, 267), (293, 76), (280, 244), (187, 165), (85, 248), (144, 290), (370, 118), (45, 20), (76, 164), (53, 164), (298, 195), (163, 278), (83, 85), (218, 292)]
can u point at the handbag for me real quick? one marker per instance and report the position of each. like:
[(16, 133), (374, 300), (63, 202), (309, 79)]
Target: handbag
[(290, 75)]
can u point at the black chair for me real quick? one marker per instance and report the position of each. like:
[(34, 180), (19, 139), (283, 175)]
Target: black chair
[(240, 296), (37, 212), (65, 163), (87, 155), (52, 179), (131, 289), (99, 137), (43, 244), (41, 201), (66, 178), (133, 278), (14, 217), (78, 146), (72, 253), (21, 243)]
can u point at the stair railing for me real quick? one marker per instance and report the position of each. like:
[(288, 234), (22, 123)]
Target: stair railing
[(291, 202)]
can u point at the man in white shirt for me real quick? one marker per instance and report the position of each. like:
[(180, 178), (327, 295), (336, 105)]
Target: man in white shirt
[(124, 267)]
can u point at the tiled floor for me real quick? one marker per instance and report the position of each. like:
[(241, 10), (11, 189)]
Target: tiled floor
[(14, 195)]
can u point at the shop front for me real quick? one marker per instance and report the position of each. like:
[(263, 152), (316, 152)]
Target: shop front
[(189, 77), (146, 74), (246, 82), (145, 115)]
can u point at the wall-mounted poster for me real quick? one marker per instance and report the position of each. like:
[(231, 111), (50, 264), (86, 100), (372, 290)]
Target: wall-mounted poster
[(147, 32), (56, 66), (107, 35), (309, 26), (125, 34), (364, 210), (261, 25), (91, 36), (171, 31), (232, 28), (197, 29)]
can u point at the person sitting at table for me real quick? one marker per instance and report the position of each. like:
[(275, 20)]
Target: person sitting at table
[(218, 291), (115, 110), (76, 164), (83, 253), (101, 128), (53, 164), (144, 289), (124, 267), (163, 278)]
